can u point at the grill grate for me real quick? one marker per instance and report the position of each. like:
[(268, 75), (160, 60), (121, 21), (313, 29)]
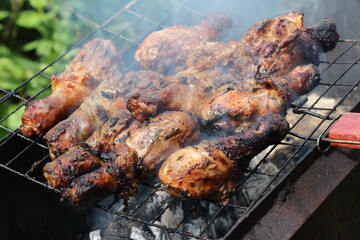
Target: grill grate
[(335, 95)]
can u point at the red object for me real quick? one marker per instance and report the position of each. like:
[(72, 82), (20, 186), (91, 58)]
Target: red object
[(346, 128)]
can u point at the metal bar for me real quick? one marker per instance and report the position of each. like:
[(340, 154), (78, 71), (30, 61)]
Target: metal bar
[(21, 105), (259, 172), (8, 137), (96, 25), (16, 132), (14, 95), (323, 94), (315, 108), (332, 62), (314, 114), (141, 203), (30, 178), (348, 40), (340, 141), (140, 16), (342, 54), (162, 211), (236, 206), (18, 155), (35, 165), (138, 19), (336, 85), (212, 220), (188, 214), (189, 9), (257, 200), (289, 144), (298, 135), (152, 29)]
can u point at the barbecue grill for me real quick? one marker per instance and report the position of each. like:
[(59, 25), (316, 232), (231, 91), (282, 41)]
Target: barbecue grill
[(153, 211)]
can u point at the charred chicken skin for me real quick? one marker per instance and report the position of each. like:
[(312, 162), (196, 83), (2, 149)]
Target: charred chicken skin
[(211, 169), (122, 157), (85, 156), (242, 89), (107, 98), (279, 45), (279, 49), (272, 65), (168, 47), (222, 100), (98, 60)]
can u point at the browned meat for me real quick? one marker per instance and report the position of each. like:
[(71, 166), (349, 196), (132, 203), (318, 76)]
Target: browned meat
[(280, 44), (239, 89), (168, 47), (268, 74), (185, 91), (208, 55), (221, 99), (211, 170), (85, 157), (132, 158), (98, 60), (238, 104), (106, 99)]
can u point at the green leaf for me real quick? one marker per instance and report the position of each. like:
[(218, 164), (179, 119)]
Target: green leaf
[(4, 14), (14, 120), (11, 68), (29, 19), (31, 45), (4, 51), (7, 82), (38, 4)]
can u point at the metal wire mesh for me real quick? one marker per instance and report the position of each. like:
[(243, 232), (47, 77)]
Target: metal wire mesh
[(335, 95)]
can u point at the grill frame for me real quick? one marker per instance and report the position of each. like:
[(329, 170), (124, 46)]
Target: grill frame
[(300, 142)]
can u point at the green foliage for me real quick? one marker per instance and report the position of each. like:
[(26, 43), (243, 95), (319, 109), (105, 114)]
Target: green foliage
[(33, 33)]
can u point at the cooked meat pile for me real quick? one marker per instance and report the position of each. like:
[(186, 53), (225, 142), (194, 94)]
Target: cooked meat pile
[(114, 158), (239, 89), (107, 98), (98, 60)]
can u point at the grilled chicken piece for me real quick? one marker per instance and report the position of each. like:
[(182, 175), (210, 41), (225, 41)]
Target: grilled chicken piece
[(237, 104), (86, 156), (168, 47), (221, 99), (211, 170), (133, 158), (98, 60), (280, 44), (106, 99)]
